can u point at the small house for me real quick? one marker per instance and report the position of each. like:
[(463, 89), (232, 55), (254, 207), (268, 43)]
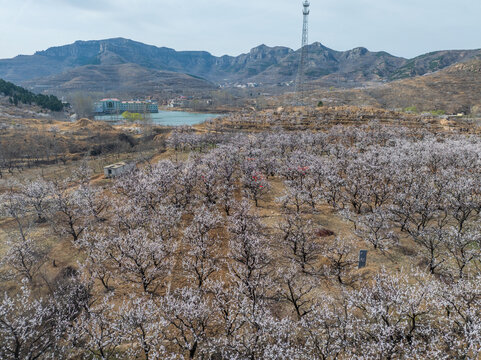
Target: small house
[(117, 169)]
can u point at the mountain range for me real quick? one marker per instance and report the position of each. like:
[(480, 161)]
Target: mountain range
[(122, 64)]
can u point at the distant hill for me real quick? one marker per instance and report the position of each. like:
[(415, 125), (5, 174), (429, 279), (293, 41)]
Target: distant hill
[(103, 64), (120, 78), (452, 90), (434, 61)]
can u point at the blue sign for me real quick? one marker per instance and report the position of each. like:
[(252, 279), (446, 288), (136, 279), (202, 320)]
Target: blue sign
[(362, 258)]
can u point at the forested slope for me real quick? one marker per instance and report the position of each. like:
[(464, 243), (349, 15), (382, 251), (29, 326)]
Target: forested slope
[(18, 94)]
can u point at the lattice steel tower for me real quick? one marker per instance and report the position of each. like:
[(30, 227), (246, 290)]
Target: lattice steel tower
[(304, 52)]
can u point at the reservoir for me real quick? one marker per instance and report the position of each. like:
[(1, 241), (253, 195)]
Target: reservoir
[(166, 118)]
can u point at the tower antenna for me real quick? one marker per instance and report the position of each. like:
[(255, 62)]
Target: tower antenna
[(304, 53)]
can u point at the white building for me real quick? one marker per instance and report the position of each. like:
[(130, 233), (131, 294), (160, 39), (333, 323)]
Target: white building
[(117, 169)]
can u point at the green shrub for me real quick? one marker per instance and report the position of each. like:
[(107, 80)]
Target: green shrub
[(413, 109)]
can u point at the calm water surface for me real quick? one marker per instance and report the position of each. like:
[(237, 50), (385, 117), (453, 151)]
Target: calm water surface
[(168, 118)]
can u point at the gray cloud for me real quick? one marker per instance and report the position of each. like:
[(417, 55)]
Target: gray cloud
[(405, 28)]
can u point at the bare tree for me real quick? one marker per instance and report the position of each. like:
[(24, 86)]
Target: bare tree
[(297, 289), (431, 241), (82, 104)]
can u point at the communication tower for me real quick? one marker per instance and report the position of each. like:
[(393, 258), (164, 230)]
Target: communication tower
[(304, 52)]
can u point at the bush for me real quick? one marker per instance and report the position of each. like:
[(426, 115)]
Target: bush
[(96, 150), (127, 138)]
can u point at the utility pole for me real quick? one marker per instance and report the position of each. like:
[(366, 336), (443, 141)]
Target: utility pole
[(304, 53)]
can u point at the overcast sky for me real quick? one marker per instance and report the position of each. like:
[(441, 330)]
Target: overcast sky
[(402, 27)]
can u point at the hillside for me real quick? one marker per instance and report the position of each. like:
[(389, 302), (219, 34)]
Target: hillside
[(9, 112), (52, 69), (433, 61), (453, 90), (17, 94), (119, 78)]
